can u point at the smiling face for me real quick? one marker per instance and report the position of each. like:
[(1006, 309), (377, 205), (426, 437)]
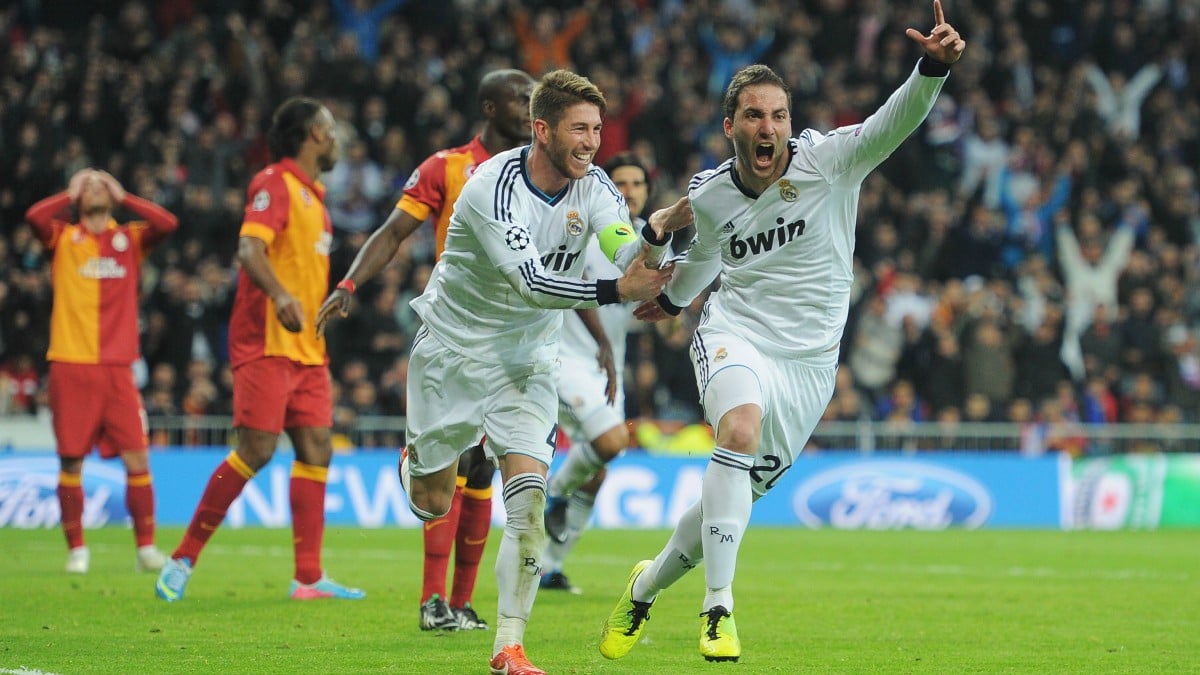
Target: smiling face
[(572, 143), (759, 130)]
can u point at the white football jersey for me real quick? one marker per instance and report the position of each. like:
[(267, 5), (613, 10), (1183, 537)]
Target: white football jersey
[(515, 254), (785, 256), (577, 343)]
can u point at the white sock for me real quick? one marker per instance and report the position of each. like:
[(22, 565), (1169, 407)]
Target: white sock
[(579, 512), (726, 498), (518, 562), (681, 555), (581, 464)]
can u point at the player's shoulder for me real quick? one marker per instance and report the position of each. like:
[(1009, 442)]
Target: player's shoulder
[(271, 175), (498, 176), (597, 179), (712, 180)]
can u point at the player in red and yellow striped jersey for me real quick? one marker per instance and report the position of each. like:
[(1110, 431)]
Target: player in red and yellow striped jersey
[(94, 342), (431, 191), (280, 370)]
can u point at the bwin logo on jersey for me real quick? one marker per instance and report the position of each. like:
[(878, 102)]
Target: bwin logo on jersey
[(559, 260), (764, 242)]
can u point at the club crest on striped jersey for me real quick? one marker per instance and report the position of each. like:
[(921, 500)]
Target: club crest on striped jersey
[(261, 202), (306, 196), (574, 224), (721, 354), (787, 191), (120, 242)]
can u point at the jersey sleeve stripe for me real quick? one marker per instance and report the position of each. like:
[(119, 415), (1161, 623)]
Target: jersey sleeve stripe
[(258, 231), (606, 182), (502, 199), (702, 179), (554, 286)]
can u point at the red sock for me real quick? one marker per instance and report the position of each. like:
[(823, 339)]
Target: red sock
[(223, 487), (473, 528), (439, 539), (308, 519), (70, 504), (139, 501)]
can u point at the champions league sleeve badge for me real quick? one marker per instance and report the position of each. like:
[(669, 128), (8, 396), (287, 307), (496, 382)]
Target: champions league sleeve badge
[(517, 238)]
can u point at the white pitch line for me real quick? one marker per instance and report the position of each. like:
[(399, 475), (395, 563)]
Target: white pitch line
[(25, 671)]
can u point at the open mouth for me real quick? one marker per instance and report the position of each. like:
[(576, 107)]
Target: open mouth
[(764, 154), (583, 157)]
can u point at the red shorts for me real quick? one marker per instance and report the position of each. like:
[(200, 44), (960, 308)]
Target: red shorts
[(96, 405), (275, 393)]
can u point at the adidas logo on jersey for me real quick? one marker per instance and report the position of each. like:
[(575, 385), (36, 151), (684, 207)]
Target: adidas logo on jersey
[(727, 228), (766, 241)]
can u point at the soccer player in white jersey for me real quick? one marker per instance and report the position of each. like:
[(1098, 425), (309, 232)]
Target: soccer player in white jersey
[(484, 362), (592, 414), (777, 222)]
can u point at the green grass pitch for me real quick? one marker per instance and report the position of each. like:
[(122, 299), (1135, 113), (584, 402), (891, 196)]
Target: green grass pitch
[(807, 602)]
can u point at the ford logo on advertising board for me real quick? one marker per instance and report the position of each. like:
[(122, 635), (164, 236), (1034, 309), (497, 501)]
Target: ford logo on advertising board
[(29, 493), (892, 495)]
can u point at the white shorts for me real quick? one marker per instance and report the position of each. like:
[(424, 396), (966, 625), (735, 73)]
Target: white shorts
[(583, 408), (453, 399), (792, 394)]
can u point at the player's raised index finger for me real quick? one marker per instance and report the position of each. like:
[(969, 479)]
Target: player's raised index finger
[(938, 17)]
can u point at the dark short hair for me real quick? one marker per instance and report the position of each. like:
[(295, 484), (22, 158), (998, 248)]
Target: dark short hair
[(290, 125), (627, 159), (559, 90), (751, 75)]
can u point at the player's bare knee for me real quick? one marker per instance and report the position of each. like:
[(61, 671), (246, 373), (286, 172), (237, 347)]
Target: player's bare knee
[(430, 506), (611, 443), (741, 438)]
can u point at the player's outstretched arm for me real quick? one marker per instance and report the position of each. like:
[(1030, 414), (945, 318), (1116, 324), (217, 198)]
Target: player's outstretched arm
[(375, 255)]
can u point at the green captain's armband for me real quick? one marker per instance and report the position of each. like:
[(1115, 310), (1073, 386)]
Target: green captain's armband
[(614, 237)]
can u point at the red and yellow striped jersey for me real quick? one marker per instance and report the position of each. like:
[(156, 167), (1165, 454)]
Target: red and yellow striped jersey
[(96, 280), (285, 209), (437, 182)]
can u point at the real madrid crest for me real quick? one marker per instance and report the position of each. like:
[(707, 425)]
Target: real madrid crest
[(720, 355), (574, 224), (120, 242), (787, 192)]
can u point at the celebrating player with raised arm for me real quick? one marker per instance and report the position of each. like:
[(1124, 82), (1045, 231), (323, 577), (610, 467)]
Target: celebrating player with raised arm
[(777, 222), (486, 356)]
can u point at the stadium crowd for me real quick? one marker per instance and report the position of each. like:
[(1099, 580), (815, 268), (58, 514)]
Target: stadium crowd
[(1030, 254)]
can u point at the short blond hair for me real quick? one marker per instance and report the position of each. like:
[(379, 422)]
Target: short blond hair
[(559, 90)]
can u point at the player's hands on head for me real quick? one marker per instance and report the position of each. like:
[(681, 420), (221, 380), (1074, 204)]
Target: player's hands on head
[(112, 185), (338, 303), (943, 43), (650, 311), (671, 218), (76, 184), (641, 282), (289, 312)]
